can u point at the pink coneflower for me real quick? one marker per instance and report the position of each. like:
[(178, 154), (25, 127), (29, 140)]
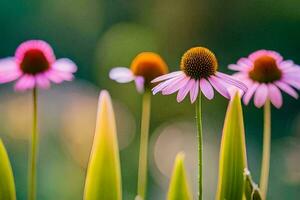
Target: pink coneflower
[(198, 72), (198, 75), (35, 65), (145, 67), (265, 73)]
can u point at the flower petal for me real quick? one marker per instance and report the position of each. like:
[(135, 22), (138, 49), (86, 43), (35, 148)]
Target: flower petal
[(261, 95), (42, 81), (275, 95), (167, 76), (9, 70), (206, 89), (232, 81), (65, 65), (219, 85), (177, 83), (293, 82), (194, 91), (25, 82), (248, 95), (185, 90), (139, 83), (121, 74), (163, 85), (286, 88)]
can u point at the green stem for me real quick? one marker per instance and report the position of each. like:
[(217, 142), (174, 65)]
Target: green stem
[(143, 157), (33, 152), (265, 167), (200, 144)]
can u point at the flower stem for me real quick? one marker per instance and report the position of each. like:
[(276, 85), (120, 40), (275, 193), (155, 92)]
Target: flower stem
[(200, 145), (143, 157), (33, 152), (265, 167)]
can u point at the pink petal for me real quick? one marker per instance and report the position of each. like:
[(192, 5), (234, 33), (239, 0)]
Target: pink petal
[(53, 76), (163, 85), (139, 83), (175, 85), (25, 82), (65, 65), (167, 76), (121, 74), (261, 95), (185, 90), (219, 85), (42, 81), (230, 80), (292, 82), (235, 67), (275, 95), (9, 70), (249, 93), (206, 89), (245, 63), (286, 88), (194, 91)]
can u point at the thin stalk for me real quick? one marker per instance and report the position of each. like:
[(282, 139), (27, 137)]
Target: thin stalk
[(33, 152), (265, 167), (200, 144), (143, 156)]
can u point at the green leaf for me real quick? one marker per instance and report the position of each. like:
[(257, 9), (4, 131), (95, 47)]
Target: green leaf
[(252, 191), (179, 188), (7, 184), (103, 180), (233, 159)]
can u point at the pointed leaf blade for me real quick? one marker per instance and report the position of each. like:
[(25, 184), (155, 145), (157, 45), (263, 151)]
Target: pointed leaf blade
[(179, 188), (233, 159), (7, 184), (103, 180)]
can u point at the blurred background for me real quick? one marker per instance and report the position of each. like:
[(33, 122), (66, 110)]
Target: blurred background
[(101, 34)]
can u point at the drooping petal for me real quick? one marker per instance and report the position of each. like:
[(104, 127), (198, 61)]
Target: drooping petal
[(292, 82), (275, 95), (248, 95), (165, 84), (175, 85), (232, 81), (206, 89), (121, 74), (9, 70), (139, 83), (53, 76), (219, 85), (166, 76), (25, 82), (194, 91), (261, 95), (185, 90), (42, 81), (65, 65), (286, 88)]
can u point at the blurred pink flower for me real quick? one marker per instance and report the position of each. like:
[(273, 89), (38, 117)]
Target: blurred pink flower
[(198, 72), (35, 65), (265, 73)]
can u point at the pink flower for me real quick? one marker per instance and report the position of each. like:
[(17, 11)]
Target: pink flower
[(144, 67), (266, 73), (35, 65), (198, 74)]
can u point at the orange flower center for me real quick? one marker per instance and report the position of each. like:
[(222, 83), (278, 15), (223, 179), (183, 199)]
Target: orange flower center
[(199, 62), (34, 62), (265, 70), (148, 65)]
